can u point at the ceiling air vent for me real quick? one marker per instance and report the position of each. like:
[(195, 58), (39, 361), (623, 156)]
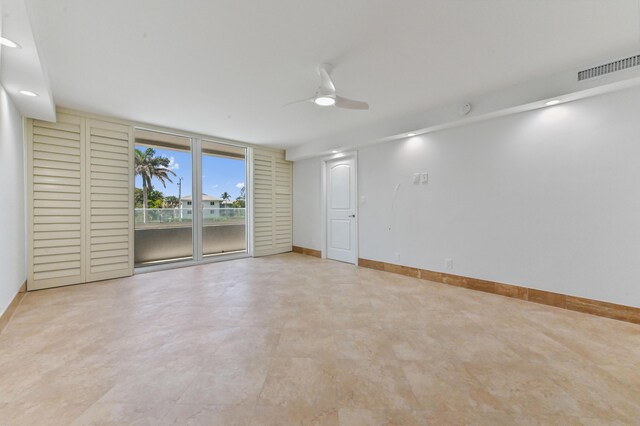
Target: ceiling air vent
[(622, 64)]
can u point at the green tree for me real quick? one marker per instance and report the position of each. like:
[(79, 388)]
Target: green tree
[(239, 203), (155, 198), (157, 203), (225, 196), (148, 166), (171, 202)]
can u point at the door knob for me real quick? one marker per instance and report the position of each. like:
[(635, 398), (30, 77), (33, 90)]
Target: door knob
[(352, 215)]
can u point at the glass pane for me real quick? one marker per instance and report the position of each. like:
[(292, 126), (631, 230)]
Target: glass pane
[(223, 199), (163, 218)]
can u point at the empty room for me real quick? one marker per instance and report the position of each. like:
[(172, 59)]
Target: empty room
[(304, 212)]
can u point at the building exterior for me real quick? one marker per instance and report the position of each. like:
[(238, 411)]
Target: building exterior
[(211, 206)]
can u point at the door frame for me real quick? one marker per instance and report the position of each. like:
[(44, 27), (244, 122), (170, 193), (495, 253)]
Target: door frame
[(197, 219), (248, 201), (323, 203)]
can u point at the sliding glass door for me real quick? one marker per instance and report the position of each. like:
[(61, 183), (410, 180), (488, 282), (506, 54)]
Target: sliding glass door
[(223, 199), (163, 198), (190, 199)]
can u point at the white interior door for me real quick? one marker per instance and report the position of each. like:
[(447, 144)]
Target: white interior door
[(341, 209)]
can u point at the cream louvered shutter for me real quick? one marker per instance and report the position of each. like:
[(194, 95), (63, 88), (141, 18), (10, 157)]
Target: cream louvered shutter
[(272, 218), (109, 189), (56, 158)]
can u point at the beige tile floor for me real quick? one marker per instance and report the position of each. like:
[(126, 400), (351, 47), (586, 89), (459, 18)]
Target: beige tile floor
[(292, 339)]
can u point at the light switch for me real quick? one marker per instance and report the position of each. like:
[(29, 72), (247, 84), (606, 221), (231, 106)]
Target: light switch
[(424, 178)]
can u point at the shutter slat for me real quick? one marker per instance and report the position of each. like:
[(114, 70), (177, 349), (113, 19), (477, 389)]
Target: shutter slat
[(110, 268), (55, 164), (109, 239), (110, 169), (56, 133), (96, 261), (96, 247), (37, 171), (56, 266), (55, 149), (58, 258), (56, 141), (51, 235), (50, 227), (69, 276), (114, 149), (47, 251)]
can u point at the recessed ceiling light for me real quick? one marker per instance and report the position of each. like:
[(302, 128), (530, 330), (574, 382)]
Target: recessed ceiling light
[(324, 101), (335, 151), (553, 102), (411, 134), (8, 43), (28, 93)]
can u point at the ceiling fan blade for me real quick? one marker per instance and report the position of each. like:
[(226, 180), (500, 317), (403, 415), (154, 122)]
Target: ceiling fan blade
[(350, 103), (298, 101), (326, 85)]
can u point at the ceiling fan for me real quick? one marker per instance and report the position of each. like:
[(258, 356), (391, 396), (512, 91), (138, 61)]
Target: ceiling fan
[(326, 93)]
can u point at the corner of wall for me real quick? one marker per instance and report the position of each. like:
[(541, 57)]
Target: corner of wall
[(13, 259)]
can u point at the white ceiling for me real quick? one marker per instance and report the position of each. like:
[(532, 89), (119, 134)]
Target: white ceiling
[(22, 68), (225, 68)]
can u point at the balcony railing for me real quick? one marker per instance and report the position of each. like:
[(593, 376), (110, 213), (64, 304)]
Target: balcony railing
[(177, 216)]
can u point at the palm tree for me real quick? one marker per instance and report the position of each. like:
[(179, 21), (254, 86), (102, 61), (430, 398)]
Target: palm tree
[(148, 166), (225, 197)]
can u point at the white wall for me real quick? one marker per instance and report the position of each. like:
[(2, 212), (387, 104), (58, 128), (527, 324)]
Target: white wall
[(307, 216), (547, 199), (13, 266)]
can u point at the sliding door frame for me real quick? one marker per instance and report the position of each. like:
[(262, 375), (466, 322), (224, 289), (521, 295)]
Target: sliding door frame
[(197, 223), (248, 202), (196, 188)]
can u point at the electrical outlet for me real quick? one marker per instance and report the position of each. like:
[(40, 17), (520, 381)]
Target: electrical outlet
[(424, 178), (448, 263)]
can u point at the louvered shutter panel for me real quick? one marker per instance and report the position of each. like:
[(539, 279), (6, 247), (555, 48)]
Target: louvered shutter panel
[(283, 228), (272, 218), (110, 200), (55, 181)]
